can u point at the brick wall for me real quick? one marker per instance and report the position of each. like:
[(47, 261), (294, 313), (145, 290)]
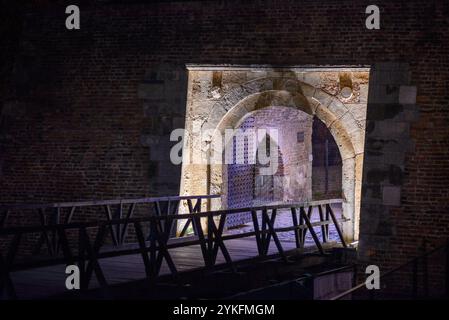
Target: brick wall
[(88, 112)]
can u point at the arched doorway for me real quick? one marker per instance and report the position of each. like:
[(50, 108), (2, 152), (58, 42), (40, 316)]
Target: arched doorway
[(296, 88)]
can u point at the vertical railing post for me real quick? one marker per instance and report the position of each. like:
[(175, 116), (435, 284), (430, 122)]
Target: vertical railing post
[(298, 236), (56, 220), (109, 217), (354, 278), (324, 233), (447, 268), (81, 257), (3, 218), (372, 294), (425, 268), (415, 278), (119, 226), (337, 226)]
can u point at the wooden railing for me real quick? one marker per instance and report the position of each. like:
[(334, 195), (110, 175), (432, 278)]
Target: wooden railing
[(121, 209), (417, 271), (154, 247)]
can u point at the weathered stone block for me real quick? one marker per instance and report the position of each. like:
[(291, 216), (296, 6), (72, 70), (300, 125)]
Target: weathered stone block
[(151, 90), (358, 111), (399, 77), (407, 94), (381, 111), (178, 122), (312, 78), (154, 107), (149, 140), (383, 93), (337, 108), (388, 129), (323, 98), (251, 75), (391, 196), (363, 93)]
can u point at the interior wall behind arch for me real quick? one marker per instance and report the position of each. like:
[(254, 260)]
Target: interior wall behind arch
[(292, 181), (326, 165)]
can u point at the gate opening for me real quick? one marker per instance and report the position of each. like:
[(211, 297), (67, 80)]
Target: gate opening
[(323, 165)]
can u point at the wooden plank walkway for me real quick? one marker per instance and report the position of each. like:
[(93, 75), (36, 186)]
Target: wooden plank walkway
[(123, 263), (44, 282)]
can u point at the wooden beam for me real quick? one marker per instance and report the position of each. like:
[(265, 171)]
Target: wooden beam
[(108, 213), (312, 232), (337, 226)]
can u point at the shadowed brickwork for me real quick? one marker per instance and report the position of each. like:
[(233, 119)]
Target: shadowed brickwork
[(87, 114)]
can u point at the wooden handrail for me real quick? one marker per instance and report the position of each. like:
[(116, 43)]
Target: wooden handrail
[(396, 269), (98, 223), (102, 202), (154, 247)]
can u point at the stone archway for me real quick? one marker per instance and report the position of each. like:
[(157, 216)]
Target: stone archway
[(219, 97)]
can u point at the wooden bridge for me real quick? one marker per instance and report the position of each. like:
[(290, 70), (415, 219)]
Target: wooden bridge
[(123, 247)]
